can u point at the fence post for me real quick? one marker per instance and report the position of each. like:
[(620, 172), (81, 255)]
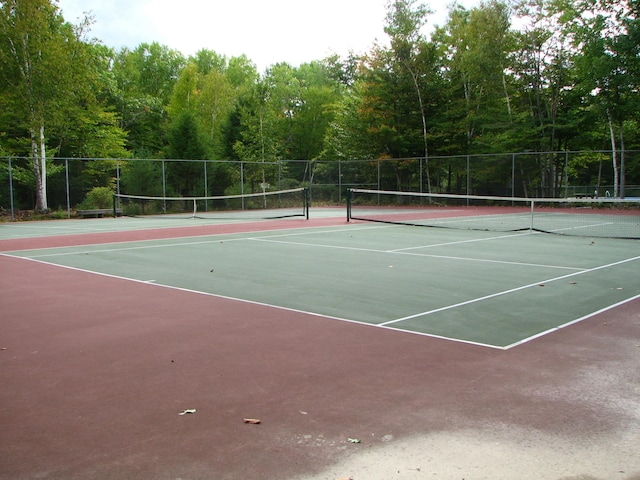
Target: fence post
[(242, 182), (339, 181), (164, 188), (468, 177), (66, 178), (566, 174), (118, 176), (311, 165), (13, 216), (206, 188), (513, 176)]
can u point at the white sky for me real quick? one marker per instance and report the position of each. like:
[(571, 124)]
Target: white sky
[(266, 31)]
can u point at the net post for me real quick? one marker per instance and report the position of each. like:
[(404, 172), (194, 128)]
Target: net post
[(348, 205), (531, 222), (306, 194), (115, 208)]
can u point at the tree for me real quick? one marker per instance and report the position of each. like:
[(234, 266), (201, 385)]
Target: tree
[(143, 80), (258, 140), (243, 77), (42, 74), (545, 80), (185, 142), (606, 34), (476, 44), (404, 21), (317, 107)]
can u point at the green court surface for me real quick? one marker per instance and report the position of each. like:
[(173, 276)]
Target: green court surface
[(49, 228), (492, 289)]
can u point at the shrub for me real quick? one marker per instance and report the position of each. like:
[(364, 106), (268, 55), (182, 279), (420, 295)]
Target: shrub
[(98, 197)]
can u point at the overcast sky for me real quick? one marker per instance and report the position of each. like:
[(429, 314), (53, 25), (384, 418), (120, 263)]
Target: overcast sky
[(267, 31)]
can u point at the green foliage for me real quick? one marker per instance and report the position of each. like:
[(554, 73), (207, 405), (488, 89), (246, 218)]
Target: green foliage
[(98, 198), (142, 177), (185, 141), (566, 79)]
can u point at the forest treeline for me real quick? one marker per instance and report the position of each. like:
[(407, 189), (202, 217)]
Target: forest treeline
[(523, 76)]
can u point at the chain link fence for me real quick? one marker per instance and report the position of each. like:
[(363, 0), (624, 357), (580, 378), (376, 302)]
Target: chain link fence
[(528, 174)]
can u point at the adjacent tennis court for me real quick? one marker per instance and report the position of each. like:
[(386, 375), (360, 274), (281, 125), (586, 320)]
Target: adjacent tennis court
[(327, 331)]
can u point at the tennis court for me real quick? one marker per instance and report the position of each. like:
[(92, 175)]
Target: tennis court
[(491, 289), (321, 319)]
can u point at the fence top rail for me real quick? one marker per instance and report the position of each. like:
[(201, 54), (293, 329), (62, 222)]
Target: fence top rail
[(276, 162)]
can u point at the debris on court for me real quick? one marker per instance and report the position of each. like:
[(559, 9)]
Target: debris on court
[(353, 440), (252, 421), (188, 411)]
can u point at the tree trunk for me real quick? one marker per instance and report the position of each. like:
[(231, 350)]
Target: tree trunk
[(414, 77), (614, 154), (43, 170), (37, 162), (506, 96)]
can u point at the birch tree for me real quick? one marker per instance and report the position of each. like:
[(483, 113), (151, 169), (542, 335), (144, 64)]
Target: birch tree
[(35, 43)]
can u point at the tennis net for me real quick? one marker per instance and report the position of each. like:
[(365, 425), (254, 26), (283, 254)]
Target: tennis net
[(264, 205), (586, 217)]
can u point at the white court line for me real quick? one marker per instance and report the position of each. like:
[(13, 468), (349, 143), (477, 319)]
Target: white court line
[(424, 255), (312, 230), (446, 244), (404, 250), (214, 238), (578, 227), (330, 317), (119, 249), (502, 262), (572, 322), (505, 292), (153, 283)]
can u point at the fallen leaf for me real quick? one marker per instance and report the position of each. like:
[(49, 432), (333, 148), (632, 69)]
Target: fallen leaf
[(353, 440), (253, 421), (188, 411)]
